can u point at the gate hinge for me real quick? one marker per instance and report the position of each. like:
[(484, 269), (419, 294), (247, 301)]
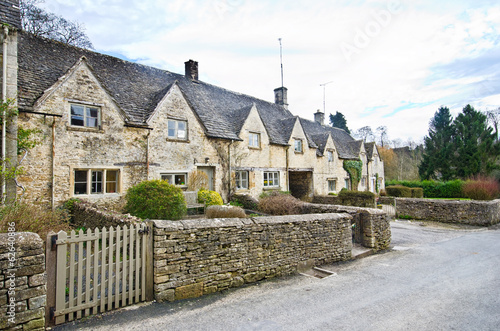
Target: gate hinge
[(52, 314), (53, 242), (144, 230)]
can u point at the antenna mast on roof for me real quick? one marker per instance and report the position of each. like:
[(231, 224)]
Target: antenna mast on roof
[(324, 88), (281, 61)]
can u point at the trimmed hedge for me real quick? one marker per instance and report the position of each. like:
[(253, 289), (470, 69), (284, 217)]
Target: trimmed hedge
[(209, 198), (433, 189), (155, 199), (357, 198), (399, 191), (417, 192)]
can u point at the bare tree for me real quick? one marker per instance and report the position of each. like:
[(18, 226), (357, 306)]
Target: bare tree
[(494, 119), (382, 134), (365, 133), (48, 25)]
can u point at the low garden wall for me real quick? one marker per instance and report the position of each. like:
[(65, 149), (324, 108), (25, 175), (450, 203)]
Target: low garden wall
[(22, 281), (87, 215), (375, 223), (197, 257), (483, 213), (348, 200)]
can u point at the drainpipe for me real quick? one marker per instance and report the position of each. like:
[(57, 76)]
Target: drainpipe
[(287, 168), (147, 155), (53, 162), (4, 116), (229, 168)]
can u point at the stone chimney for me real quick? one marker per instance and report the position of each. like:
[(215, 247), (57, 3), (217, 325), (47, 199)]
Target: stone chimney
[(280, 97), (319, 117), (191, 71)]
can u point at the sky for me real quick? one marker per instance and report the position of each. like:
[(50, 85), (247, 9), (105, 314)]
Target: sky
[(380, 63)]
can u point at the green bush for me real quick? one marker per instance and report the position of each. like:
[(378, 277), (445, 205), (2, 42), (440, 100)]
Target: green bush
[(156, 199), (244, 200), (417, 192), (398, 191), (433, 189), (209, 198), (357, 198)]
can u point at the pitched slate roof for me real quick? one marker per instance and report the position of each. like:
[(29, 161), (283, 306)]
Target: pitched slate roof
[(369, 147), (9, 13), (340, 138), (137, 89)]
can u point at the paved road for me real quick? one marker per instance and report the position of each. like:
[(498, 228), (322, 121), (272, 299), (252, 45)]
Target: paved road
[(434, 279)]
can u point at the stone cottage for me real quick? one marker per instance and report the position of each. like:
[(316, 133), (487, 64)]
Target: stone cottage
[(105, 124)]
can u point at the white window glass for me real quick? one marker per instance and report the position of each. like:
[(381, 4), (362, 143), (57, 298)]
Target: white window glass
[(332, 185), (330, 156), (85, 116), (241, 178), (254, 140), (271, 179), (177, 129), (298, 145)]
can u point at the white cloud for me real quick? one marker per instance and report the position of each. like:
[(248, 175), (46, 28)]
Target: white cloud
[(406, 56)]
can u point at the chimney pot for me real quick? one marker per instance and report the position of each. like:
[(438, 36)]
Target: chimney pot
[(280, 97), (319, 117), (191, 69)]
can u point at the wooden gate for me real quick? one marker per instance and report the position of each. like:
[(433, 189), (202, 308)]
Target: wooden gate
[(95, 271)]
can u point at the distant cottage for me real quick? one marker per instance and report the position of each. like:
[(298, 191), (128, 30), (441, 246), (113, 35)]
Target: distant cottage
[(108, 124)]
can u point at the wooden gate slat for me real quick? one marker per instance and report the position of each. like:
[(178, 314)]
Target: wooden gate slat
[(99, 270), (137, 261), (110, 268)]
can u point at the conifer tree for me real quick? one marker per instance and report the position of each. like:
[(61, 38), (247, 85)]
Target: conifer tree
[(338, 121), (438, 148)]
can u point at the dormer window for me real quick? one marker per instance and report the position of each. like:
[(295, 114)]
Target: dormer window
[(254, 140), (177, 129), (298, 146), (329, 155), (85, 116)]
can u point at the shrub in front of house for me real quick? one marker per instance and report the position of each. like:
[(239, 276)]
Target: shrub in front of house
[(24, 217), (155, 199), (398, 191), (357, 198), (417, 192), (245, 200), (217, 211), (434, 189), (276, 203), (481, 188), (209, 198)]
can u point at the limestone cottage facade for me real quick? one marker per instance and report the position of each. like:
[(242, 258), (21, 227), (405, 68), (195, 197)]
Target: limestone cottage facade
[(106, 124)]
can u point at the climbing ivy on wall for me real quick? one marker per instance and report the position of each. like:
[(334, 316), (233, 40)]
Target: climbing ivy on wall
[(353, 168), (376, 183)]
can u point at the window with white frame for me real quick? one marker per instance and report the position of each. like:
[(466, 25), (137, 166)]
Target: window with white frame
[(329, 155), (254, 140), (363, 181), (298, 145), (346, 183), (179, 179), (332, 185), (96, 181), (271, 179), (241, 178), (177, 129), (85, 116)]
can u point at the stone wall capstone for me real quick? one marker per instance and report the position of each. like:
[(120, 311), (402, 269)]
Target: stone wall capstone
[(22, 281), (481, 213), (197, 257)]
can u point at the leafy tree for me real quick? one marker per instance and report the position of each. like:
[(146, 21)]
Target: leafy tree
[(390, 159), (48, 25), (338, 121), (438, 148), (476, 149)]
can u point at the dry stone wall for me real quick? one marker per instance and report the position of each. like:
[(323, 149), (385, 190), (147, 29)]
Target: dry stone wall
[(482, 213), (22, 281), (197, 257), (375, 223)]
